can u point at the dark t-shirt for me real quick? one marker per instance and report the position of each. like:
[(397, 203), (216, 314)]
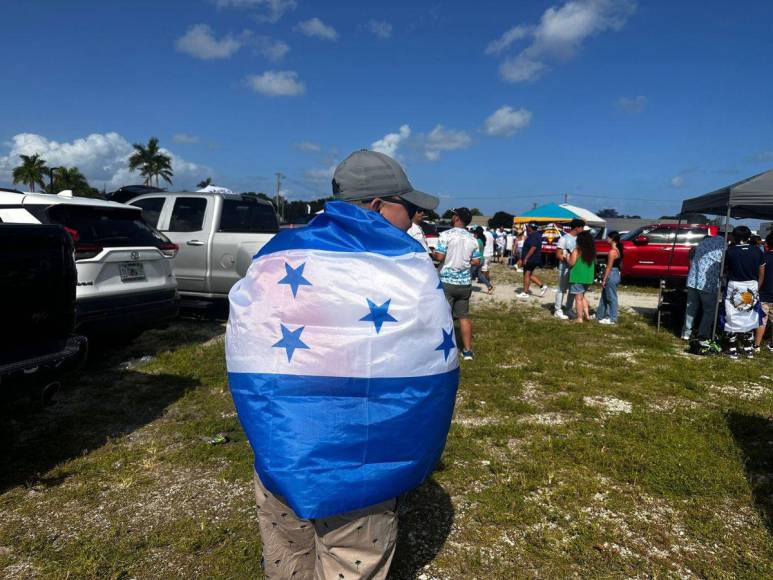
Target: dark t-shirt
[(743, 262), (766, 292), (533, 240)]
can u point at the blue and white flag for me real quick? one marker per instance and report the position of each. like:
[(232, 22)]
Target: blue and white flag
[(342, 362)]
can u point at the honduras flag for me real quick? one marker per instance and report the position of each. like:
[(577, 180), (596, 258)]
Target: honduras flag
[(342, 362)]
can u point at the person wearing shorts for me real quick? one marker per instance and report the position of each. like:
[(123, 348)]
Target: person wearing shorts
[(532, 259), (458, 251), (583, 269)]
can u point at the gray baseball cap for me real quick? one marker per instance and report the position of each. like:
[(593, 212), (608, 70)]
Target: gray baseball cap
[(369, 174)]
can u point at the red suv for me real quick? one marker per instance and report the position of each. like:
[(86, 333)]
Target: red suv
[(650, 251)]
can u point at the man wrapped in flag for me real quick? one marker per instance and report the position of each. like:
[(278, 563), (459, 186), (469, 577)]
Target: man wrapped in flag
[(342, 363)]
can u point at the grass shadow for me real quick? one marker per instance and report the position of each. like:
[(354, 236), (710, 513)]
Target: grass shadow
[(753, 435), (104, 399), (426, 516)]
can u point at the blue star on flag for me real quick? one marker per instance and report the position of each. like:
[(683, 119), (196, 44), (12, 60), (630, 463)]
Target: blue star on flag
[(291, 340), (439, 284), (295, 278), (448, 343), (379, 314)]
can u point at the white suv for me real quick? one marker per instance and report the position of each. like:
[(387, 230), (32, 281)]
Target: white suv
[(125, 279)]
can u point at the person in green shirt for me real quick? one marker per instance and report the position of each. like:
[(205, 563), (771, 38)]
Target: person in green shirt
[(583, 263)]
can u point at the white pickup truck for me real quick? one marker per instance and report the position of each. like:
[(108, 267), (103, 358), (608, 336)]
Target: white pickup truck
[(217, 233)]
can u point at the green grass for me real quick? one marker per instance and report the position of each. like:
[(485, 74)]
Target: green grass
[(546, 473)]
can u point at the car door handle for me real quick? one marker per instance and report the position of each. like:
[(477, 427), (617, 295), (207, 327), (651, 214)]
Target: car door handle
[(195, 243)]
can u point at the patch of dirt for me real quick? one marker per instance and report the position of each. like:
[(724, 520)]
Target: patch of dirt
[(609, 405), (548, 419), (626, 355), (671, 404), (472, 422), (747, 392)]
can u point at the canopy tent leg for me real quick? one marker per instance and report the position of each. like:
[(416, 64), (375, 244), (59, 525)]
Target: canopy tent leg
[(721, 274)]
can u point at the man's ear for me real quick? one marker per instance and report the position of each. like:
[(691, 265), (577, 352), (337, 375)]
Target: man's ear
[(376, 204)]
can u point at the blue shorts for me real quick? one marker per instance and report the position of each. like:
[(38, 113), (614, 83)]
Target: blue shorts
[(578, 288)]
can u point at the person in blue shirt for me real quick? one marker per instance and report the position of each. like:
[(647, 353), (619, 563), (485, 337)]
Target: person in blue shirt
[(766, 294), (702, 281), (532, 259)]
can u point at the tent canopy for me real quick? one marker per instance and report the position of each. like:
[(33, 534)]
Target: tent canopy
[(553, 212), (750, 198)]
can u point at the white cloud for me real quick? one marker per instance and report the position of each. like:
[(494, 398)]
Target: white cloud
[(283, 83), (185, 138), (271, 10), (314, 27), (442, 139), (678, 182), (308, 147), (390, 142), (515, 33), (199, 42), (632, 105), (506, 121), (321, 175), (380, 28), (274, 50), (559, 35), (102, 157)]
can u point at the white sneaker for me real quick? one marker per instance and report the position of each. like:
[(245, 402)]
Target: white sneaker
[(560, 315), (543, 290), (606, 321), (523, 295)]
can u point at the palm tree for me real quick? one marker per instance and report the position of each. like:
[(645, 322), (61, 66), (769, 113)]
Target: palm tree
[(31, 171), (69, 178), (151, 162), (204, 183)]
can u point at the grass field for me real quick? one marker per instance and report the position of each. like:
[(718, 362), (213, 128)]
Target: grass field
[(575, 450)]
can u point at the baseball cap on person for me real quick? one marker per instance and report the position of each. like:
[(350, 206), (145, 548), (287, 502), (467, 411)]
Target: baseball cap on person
[(464, 214), (369, 174)]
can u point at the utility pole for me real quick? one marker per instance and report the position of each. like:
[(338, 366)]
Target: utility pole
[(279, 208), (566, 198)]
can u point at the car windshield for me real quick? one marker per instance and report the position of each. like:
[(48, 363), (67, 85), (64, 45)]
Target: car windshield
[(248, 217), (103, 226)]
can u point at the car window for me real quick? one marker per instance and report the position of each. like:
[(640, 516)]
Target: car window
[(428, 228), (691, 236), (151, 209), (188, 214), (661, 235), (633, 234), (248, 217), (106, 227)]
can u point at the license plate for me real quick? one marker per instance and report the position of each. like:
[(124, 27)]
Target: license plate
[(132, 271)]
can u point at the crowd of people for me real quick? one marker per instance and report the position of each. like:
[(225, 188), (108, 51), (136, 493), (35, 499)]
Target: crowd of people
[(748, 296)]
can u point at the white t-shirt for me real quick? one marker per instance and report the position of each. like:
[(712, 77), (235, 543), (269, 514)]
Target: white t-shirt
[(417, 234), (459, 247), (488, 249), (567, 243), (510, 239)]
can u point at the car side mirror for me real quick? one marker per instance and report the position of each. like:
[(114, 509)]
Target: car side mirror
[(641, 240)]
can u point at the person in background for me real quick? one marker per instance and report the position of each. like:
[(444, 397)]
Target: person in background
[(583, 263), (509, 239), (458, 251), (766, 295), (564, 248), (501, 242), (756, 241), (477, 272), (702, 281), (520, 240), (488, 253), (415, 230), (745, 272), (532, 259), (606, 312)]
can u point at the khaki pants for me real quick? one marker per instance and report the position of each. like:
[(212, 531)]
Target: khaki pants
[(357, 544)]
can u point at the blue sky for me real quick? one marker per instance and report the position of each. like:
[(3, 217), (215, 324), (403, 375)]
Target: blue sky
[(497, 105)]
